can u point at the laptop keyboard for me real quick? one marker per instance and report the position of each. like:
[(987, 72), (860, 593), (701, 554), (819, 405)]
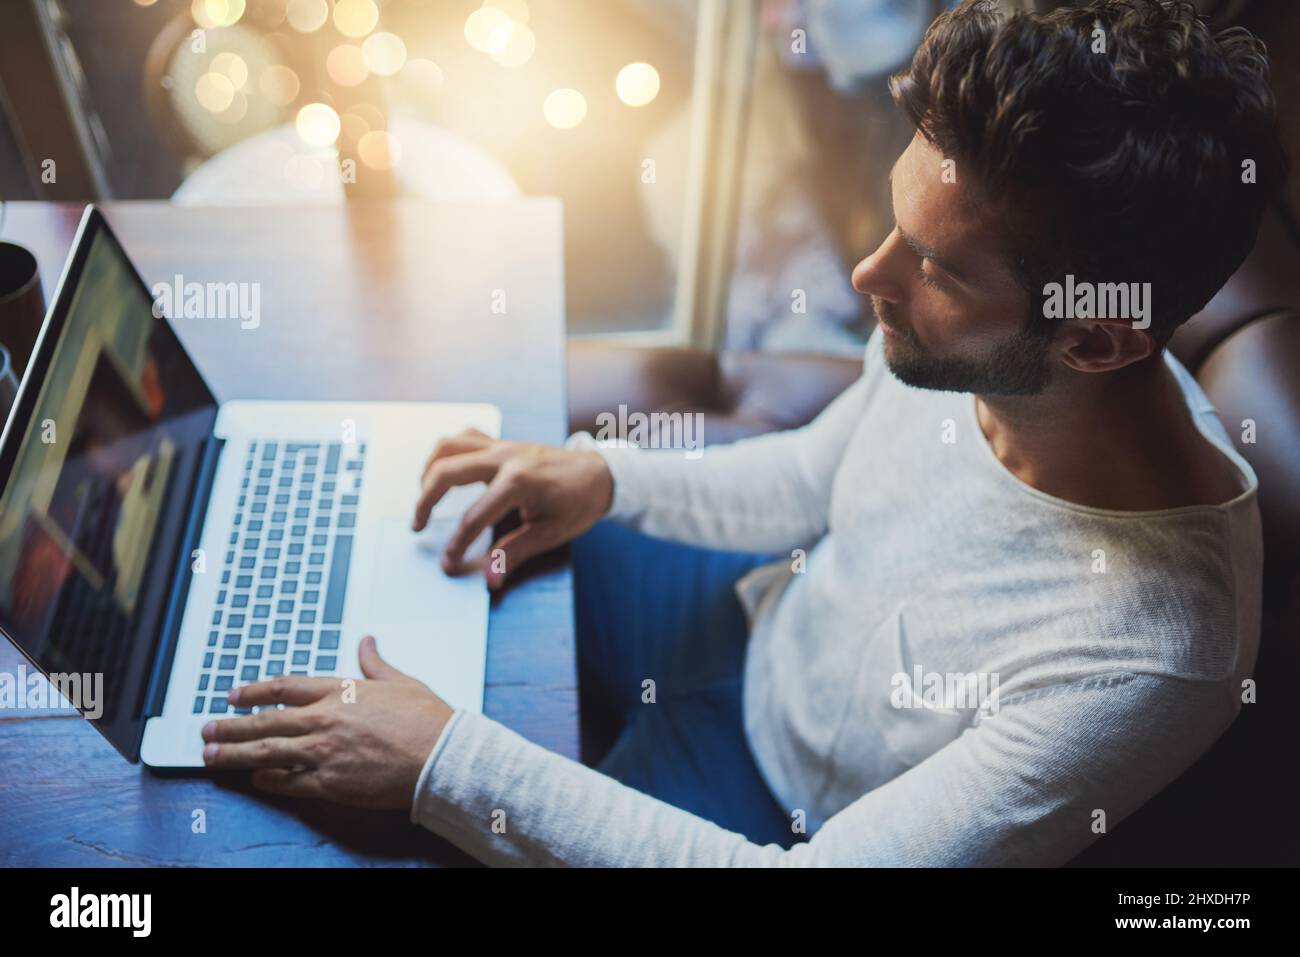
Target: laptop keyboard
[(285, 572)]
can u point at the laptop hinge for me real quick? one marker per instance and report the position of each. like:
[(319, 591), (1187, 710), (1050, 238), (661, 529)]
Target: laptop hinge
[(156, 696)]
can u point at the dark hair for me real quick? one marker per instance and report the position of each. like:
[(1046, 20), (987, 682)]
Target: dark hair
[(1117, 166)]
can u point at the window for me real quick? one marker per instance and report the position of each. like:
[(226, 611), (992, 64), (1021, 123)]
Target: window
[(244, 101)]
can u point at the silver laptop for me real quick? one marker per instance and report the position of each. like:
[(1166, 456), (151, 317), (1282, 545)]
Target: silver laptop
[(172, 547)]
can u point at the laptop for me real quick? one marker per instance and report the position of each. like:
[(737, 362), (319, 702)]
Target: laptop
[(173, 547)]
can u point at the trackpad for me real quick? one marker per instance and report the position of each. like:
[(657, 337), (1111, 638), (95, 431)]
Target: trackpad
[(429, 625), (407, 583)]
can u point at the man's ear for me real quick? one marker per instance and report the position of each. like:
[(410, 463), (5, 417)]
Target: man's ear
[(1102, 345)]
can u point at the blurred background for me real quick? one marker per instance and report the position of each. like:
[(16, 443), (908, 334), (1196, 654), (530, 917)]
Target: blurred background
[(721, 162)]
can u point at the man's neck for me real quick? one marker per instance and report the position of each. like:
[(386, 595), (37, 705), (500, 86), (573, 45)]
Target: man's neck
[(1121, 440)]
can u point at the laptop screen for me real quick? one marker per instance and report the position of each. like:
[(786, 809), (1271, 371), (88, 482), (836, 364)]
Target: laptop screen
[(105, 448)]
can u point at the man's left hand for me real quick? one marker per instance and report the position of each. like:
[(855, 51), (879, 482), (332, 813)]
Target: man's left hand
[(358, 742)]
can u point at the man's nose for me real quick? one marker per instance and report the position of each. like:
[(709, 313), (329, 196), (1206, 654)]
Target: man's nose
[(879, 274)]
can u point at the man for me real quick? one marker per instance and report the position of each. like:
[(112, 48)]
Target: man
[(1018, 584)]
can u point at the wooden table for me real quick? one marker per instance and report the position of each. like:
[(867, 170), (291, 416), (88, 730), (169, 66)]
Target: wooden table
[(364, 301)]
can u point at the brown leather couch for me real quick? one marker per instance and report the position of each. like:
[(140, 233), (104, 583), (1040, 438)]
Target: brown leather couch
[(1237, 804)]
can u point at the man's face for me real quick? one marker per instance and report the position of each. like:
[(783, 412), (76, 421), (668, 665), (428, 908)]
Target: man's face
[(952, 314)]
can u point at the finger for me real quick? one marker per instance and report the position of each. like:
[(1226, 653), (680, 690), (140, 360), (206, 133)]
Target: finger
[(516, 547), (289, 783), (471, 440), (286, 689), (373, 666), (265, 724), (492, 506), (447, 473), (265, 753)]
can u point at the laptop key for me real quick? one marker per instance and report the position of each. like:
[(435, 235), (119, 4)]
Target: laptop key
[(338, 583)]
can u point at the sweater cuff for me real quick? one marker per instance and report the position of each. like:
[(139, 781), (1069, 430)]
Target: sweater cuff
[(476, 767), (424, 782), (622, 459)]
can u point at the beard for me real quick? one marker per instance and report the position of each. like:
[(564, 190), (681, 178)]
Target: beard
[(1016, 366)]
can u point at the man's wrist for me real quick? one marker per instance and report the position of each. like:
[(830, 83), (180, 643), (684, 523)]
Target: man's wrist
[(586, 443)]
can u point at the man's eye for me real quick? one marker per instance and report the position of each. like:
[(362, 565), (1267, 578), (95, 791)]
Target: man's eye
[(926, 279)]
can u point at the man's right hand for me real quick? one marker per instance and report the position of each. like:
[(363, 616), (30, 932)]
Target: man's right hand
[(559, 494)]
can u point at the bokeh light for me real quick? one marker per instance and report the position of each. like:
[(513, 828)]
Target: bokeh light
[(384, 53), (307, 16), (216, 13), (231, 66), (637, 84), (379, 149), (565, 108), (355, 18), (214, 91), (201, 16), (346, 65), (488, 30), (318, 124), (423, 76), (279, 84), (519, 46)]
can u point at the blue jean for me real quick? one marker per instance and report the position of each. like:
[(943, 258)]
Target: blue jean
[(651, 610)]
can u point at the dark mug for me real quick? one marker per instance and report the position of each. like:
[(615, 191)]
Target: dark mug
[(22, 304), (8, 385)]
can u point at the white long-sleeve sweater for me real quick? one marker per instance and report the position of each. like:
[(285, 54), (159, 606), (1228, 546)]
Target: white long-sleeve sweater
[(1105, 651)]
